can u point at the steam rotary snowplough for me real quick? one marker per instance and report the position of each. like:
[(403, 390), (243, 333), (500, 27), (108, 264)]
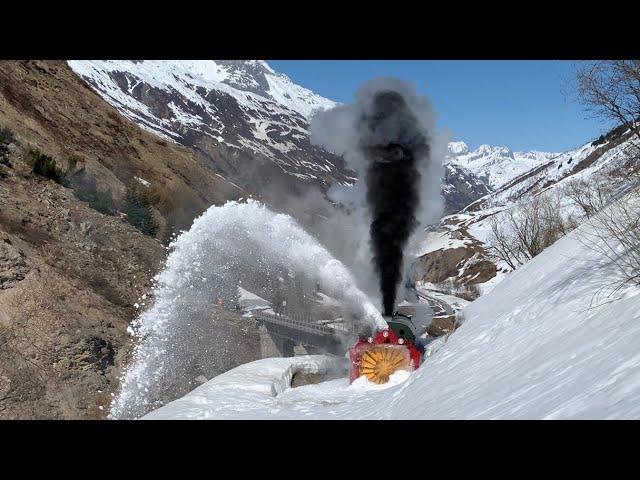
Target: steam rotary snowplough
[(377, 357)]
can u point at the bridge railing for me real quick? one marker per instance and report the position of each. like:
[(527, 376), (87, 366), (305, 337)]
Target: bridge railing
[(302, 322)]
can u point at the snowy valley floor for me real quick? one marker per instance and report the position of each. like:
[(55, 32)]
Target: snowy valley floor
[(546, 343)]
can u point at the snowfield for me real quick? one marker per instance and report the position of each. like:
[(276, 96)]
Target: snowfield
[(545, 343)]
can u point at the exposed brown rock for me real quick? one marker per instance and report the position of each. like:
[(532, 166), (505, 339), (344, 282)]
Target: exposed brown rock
[(464, 266), (442, 264), (70, 276), (442, 325)]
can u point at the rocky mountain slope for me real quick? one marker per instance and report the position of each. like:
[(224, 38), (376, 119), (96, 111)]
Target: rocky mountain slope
[(461, 187), (69, 277), (71, 268), (48, 107)]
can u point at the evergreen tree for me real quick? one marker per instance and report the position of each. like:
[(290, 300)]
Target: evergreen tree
[(45, 166), (139, 213), (6, 137)]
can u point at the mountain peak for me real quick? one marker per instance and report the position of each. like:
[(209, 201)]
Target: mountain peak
[(242, 79), (458, 148), (495, 164), (484, 150)]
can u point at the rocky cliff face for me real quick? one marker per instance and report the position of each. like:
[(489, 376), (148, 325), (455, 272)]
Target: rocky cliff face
[(69, 277), (461, 188)]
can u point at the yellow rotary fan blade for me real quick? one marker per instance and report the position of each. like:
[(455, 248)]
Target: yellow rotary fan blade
[(378, 363)]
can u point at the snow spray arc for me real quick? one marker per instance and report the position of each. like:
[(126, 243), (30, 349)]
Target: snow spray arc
[(224, 245)]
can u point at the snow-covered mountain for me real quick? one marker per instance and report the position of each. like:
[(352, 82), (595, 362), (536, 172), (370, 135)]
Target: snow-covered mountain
[(250, 82), (461, 187), (496, 165), (241, 110), (250, 125), (578, 163)]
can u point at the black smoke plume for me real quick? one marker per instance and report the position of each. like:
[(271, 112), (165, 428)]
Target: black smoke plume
[(393, 144), (386, 136)]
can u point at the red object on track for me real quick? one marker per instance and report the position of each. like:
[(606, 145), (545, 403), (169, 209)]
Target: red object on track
[(379, 356)]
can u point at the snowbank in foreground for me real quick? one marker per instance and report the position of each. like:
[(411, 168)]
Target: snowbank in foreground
[(534, 347), (543, 344), (247, 388)]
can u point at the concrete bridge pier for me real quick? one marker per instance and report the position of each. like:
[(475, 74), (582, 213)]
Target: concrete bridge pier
[(273, 345)]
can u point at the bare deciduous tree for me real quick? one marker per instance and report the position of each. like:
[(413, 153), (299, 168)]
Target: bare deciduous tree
[(590, 196), (524, 231), (504, 245), (610, 89), (615, 233)]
